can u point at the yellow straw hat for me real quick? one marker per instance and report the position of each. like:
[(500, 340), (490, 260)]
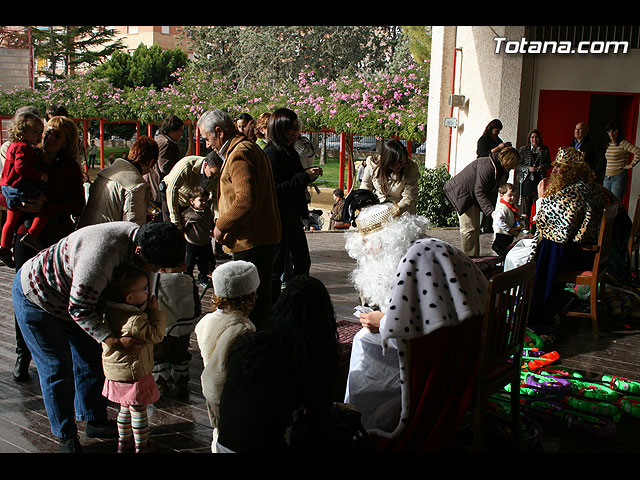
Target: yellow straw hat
[(373, 218)]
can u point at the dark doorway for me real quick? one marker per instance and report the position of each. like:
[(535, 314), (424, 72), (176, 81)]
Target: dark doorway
[(560, 110)]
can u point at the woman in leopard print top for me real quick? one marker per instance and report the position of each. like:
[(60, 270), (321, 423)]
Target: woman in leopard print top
[(570, 213)]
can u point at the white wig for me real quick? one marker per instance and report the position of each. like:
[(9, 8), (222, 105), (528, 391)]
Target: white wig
[(378, 254)]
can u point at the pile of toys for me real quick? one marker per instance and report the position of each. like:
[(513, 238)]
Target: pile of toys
[(591, 407)]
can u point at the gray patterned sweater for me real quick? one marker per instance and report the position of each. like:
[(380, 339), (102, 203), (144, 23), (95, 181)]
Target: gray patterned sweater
[(67, 278)]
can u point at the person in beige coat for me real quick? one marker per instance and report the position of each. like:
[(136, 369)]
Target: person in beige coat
[(190, 172), (120, 192), (393, 177), (128, 379)]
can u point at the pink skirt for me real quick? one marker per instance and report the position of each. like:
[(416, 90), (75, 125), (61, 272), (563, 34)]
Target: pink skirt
[(139, 392)]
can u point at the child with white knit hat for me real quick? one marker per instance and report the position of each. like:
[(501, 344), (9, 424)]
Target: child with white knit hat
[(234, 296)]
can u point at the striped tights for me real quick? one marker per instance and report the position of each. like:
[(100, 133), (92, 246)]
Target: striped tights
[(132, 420)]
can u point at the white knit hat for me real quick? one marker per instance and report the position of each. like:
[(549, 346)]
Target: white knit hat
[(235, 279)]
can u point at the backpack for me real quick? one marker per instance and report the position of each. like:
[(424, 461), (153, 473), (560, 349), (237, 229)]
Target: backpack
[(356, 201)]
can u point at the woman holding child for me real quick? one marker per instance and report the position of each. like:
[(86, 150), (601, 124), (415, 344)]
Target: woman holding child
[(64, 199)]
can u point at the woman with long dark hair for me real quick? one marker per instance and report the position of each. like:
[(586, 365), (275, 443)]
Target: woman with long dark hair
[(291, 181), (489, 141), (280, 380), (393, 177)]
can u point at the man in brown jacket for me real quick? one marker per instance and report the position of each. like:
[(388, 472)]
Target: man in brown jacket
[(249, 220)]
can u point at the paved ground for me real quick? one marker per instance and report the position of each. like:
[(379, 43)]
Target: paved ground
[(183, 426)]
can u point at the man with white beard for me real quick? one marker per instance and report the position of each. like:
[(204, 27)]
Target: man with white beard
[(411, 285)]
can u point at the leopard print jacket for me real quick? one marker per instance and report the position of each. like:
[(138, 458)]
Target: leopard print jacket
[(572, 215)]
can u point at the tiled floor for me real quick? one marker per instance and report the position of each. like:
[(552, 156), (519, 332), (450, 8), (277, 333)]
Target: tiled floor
[(183, 425)]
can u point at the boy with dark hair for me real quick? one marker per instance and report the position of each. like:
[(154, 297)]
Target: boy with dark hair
[(506, 225), (198, 226)]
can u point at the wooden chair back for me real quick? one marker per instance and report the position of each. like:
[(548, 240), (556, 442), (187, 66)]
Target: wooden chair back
[(594, 277), (505, 318), (501, 345), (604, 239)]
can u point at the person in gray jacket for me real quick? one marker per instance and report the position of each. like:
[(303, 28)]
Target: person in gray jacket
[(120, 191), (475, 188)]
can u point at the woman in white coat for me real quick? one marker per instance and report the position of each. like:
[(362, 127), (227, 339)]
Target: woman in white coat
[(393, 177)]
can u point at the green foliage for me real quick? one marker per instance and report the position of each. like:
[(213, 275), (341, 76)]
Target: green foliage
[(147, 67), (73, 47), (432, 202), (419, 42), (149, 85), (275, 53)]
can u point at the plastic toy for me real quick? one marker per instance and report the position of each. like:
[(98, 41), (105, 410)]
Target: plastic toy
[(593, 426), (622, 385), (607, 409), (548, 384), (629, 405)]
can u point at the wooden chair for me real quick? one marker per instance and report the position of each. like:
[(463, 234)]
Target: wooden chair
[(501, 344), (634, 241), (594, 277)]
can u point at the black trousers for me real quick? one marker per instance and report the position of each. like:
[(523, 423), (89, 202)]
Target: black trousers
[(200, 256), (292, 248), (501, 243), (262, 258)]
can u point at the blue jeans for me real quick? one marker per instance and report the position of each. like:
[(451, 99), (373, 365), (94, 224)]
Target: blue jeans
[(69, 364), (617, 184)]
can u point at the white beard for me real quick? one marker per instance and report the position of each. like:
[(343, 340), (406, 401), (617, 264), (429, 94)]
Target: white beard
[(378, 254)]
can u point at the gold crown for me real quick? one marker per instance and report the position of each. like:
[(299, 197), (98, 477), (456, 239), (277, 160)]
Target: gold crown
[(569, 156)]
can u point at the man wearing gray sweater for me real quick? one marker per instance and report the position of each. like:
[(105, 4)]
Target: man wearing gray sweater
[(57, 303)]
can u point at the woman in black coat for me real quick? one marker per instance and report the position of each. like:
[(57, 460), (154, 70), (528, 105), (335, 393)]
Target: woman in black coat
[(279, 393), (291, 181), (475, 189), (490, 142)]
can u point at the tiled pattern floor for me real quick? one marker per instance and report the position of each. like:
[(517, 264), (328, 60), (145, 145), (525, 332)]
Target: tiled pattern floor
[(183, 425)]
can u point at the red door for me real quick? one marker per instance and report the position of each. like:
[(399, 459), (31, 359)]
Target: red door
[(558, 113)]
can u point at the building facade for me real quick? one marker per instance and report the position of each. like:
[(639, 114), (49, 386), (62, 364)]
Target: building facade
[(164, 36), (549, 78)]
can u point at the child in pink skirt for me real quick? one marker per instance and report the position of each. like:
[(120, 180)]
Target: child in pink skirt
[(128, 380)]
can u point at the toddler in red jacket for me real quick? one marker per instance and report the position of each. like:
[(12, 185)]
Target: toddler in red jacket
[(21, 181)]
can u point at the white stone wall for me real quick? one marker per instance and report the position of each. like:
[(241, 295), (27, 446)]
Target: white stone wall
[(490, 82)]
